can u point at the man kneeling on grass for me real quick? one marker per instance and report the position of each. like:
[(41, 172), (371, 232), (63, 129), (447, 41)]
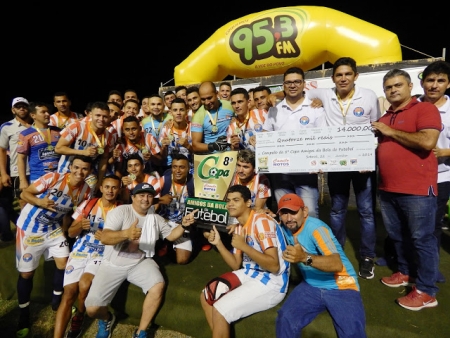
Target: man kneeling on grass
[(260, 276), (329, 279)]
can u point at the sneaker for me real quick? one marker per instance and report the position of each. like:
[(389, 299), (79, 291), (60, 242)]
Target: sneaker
[(23, 327), (105, 327), (56, 300), (75, 326), (366, 268), (416, 301), (142, 334), (397, 279)]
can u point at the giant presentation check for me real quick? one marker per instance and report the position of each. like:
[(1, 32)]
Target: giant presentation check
[(343, 148)]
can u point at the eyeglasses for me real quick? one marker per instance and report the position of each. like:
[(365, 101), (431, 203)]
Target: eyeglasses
[(21, 106), (295, 82)]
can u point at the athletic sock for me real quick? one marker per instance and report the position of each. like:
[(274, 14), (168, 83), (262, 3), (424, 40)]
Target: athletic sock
[(24, 287)]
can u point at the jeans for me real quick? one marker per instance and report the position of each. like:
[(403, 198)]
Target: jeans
[(339, 186), (410, 223), (304, 185), (305, 302)]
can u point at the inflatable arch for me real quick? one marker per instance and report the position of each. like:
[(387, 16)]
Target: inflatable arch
[(271, 41)]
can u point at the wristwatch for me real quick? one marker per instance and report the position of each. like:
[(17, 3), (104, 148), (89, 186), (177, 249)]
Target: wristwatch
[(309, 261)]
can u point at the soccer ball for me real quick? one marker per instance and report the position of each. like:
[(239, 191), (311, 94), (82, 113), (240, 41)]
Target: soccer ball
[(212, 172)]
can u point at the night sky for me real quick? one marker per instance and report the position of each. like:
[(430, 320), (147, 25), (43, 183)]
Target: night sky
[(87, 51)]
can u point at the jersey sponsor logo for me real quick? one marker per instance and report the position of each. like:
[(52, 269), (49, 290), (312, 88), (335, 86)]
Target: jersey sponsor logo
[(34, 240), (304, 120), (45, 153), (270, 234), (56, 233), (69, 269), (261, 236), (27, 257), (95, 247), (258, 127), (78, 255), (44, 218), (358, 111)]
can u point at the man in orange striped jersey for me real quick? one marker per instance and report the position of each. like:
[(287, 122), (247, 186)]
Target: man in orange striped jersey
[(260, 276), (88, 139), (247, 122)]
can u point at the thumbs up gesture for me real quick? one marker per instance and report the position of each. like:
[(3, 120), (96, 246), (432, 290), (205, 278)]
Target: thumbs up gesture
[(214, 236), (294, 253), (134, 233), (116, 151)]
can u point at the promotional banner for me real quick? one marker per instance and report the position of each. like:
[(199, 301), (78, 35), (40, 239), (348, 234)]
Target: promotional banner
[(213, 174), (338, 148), (209, 213)]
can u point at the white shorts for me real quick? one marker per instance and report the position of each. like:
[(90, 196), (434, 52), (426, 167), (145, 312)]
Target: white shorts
[(184, 242), (30, 248), (80, 263), (249, 298), (109, 277)]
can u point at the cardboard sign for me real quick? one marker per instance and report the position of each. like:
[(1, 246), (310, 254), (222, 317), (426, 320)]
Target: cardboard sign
[(209, 213), (213, 174)]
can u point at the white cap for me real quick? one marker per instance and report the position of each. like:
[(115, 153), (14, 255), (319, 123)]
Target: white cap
[(19, 100)]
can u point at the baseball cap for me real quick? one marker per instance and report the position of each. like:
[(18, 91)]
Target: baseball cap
[(143, 187), (291, 202), (19, 100)]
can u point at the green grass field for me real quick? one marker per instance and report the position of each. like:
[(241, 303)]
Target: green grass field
[(182, 312)]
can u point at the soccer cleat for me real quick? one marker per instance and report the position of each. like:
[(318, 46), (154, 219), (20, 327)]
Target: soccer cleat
[(397, 279), (75, 326), (366, 268), (206, 247), (105, 326), (142, 334), (416, 301), (23, 327)]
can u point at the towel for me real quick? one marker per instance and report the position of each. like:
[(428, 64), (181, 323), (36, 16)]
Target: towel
[(148, 236)]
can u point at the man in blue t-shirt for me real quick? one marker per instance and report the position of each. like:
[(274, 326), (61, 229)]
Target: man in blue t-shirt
[(211, 121), (329, 279)]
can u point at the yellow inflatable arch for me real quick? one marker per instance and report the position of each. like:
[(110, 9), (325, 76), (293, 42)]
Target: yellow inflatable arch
[(271, 41)]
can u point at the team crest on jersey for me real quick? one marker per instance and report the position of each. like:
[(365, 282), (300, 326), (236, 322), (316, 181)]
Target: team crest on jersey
[(358, 111), (304, 120), (27, 257), (69, 269), (261, 236), (258, 127)]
